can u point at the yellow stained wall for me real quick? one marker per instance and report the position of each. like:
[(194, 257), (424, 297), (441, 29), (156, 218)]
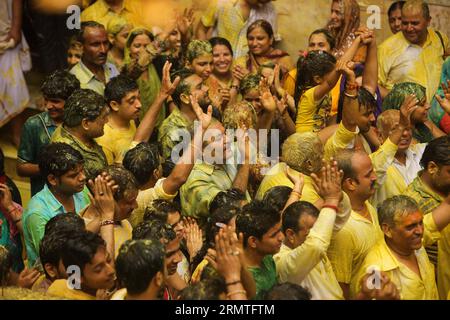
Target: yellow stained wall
[(298, 18)]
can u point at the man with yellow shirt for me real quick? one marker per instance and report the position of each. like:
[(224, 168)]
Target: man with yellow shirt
[(122, 96), (102, 11), (303, 152), (401, 255), (86, 250), (349, 247), (414, 55), (302, 258), (431, 189)]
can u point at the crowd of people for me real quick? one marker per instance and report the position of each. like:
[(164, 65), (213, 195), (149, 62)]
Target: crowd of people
[(139, 191)]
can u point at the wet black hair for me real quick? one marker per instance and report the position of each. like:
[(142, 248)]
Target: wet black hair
[(118, 87), (277, 196), (316, 63), (160, 209), (83, 104), (155, 229), (60, 84), (124, 179), (58, 158), (288, 291), (138, 263), (255, 219), (81, 248), (215, 41), (141, 161), (231, 197), (293, 213), (65, 223), (438, 151)]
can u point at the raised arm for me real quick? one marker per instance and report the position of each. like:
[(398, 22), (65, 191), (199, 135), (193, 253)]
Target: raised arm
[(183, 168), (370, 74), (145, 129), (332, 78)]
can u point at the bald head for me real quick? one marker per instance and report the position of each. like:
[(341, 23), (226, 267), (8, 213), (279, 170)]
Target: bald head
[(417, 6)]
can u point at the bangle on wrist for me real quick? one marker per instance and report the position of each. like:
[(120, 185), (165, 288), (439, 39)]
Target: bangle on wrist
[(12, 210), (236, 292), (298, 194), (106, 223), (352, 96), (331, 206), (232, 283)]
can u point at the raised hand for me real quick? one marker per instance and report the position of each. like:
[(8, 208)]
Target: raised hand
[(346, 67), (239, 72), (296, 178), (328, 185), (444, 102), (406, 109), (193, 236), (243, 141), (167, 86), (103, 199), (204, 118), (6, 201), (267, 100), (225, 96), (227, 255), (185, 21)]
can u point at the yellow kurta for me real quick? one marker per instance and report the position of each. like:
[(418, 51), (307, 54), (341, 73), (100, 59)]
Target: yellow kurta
[(277, 177), (411, 286), (145, 199), (350, 245), (308, 264), (289, 86), (100, 12), (59, 288), (116, 142), (400, 61)]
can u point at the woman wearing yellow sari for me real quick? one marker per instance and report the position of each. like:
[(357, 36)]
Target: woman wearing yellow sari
[(139, 53)]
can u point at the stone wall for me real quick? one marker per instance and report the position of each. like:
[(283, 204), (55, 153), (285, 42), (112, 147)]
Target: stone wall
[(298, 18)]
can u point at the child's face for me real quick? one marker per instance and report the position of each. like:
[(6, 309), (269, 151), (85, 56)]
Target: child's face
[(73, 56), (121, 38), (99, 272)]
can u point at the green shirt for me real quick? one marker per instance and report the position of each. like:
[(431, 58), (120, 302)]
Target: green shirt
[(202, 185), (36, 133), (94, 158), (171, 131), (89, 81), (265, 276)]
